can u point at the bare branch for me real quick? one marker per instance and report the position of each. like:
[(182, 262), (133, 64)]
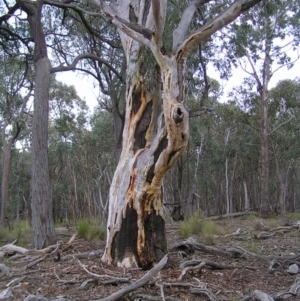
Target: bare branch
[(287, 64), (254, 74), (199, 112), (180, 31), (211, 27), (135, 31), (159, 17), (94, 57), (281, 124), (9, 14)]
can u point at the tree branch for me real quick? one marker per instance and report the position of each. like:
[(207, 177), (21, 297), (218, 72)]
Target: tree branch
[(94, 57), (207, 30), (180, 31), (159, 17), (134, 31), (9, 14)]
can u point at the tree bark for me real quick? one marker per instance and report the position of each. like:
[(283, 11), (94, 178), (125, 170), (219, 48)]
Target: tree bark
[(156, 128), (152, 142), (5, 175), (41, 203), (265, 131)]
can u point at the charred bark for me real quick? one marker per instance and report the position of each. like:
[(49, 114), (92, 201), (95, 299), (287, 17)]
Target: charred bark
[(155, 135)]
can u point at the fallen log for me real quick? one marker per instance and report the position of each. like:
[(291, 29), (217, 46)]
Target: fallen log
[(230, 215)]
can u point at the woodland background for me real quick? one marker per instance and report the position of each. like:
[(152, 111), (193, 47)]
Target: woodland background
[(221, 170)]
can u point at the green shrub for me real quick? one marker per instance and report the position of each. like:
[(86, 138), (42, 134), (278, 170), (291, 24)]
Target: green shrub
[(198, 225), (22, 232), (272, 222), (91, 229), (250, 217), (4, 233)]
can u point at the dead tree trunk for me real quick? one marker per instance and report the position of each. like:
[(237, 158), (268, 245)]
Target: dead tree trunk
[(156, 128)]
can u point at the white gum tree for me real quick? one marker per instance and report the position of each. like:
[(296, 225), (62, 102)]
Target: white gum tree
[(156, 130)]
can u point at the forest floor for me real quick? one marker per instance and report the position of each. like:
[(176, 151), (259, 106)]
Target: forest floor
[(251, 260)]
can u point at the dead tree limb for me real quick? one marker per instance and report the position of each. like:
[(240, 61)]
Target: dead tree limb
[(85, 255), (197, 267), (139, 283), (204, 291), (236, 214), (153, 298), (270, 232)]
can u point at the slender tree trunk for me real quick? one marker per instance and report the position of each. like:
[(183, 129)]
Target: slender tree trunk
[(246, 202), (265, 198), (189, 207), (41, 204), (5, 175), (279, 206), (265, 202), (228, 207)]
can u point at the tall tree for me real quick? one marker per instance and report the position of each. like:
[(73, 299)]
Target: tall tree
[(156, 123), (41, 196), (15, 78), (260, 44)]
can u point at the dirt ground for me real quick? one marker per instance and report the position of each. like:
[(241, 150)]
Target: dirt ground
[(60, 276)]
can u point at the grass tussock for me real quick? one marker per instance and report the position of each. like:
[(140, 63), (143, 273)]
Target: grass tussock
[(272, 222), (198, 225), (91, 229), (251, 217), (292, 218), (20, 231)]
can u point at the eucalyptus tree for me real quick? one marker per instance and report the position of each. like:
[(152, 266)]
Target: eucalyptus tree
[(41, 198), (93, 50), (156, 122), (284, 137), (15, 91), (35, 40), (261, 44), (16, 86), (67, 119)]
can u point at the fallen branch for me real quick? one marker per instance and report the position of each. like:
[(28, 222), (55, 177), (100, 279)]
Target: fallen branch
[(191, 268), (294, 291), (12, 249), (152, 298), (230, 215), (274, 231), (86, 255), (204, 291), (139, 283), (190, 246), (42, 298), (48, 249), (115, 279), (212, 265)]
